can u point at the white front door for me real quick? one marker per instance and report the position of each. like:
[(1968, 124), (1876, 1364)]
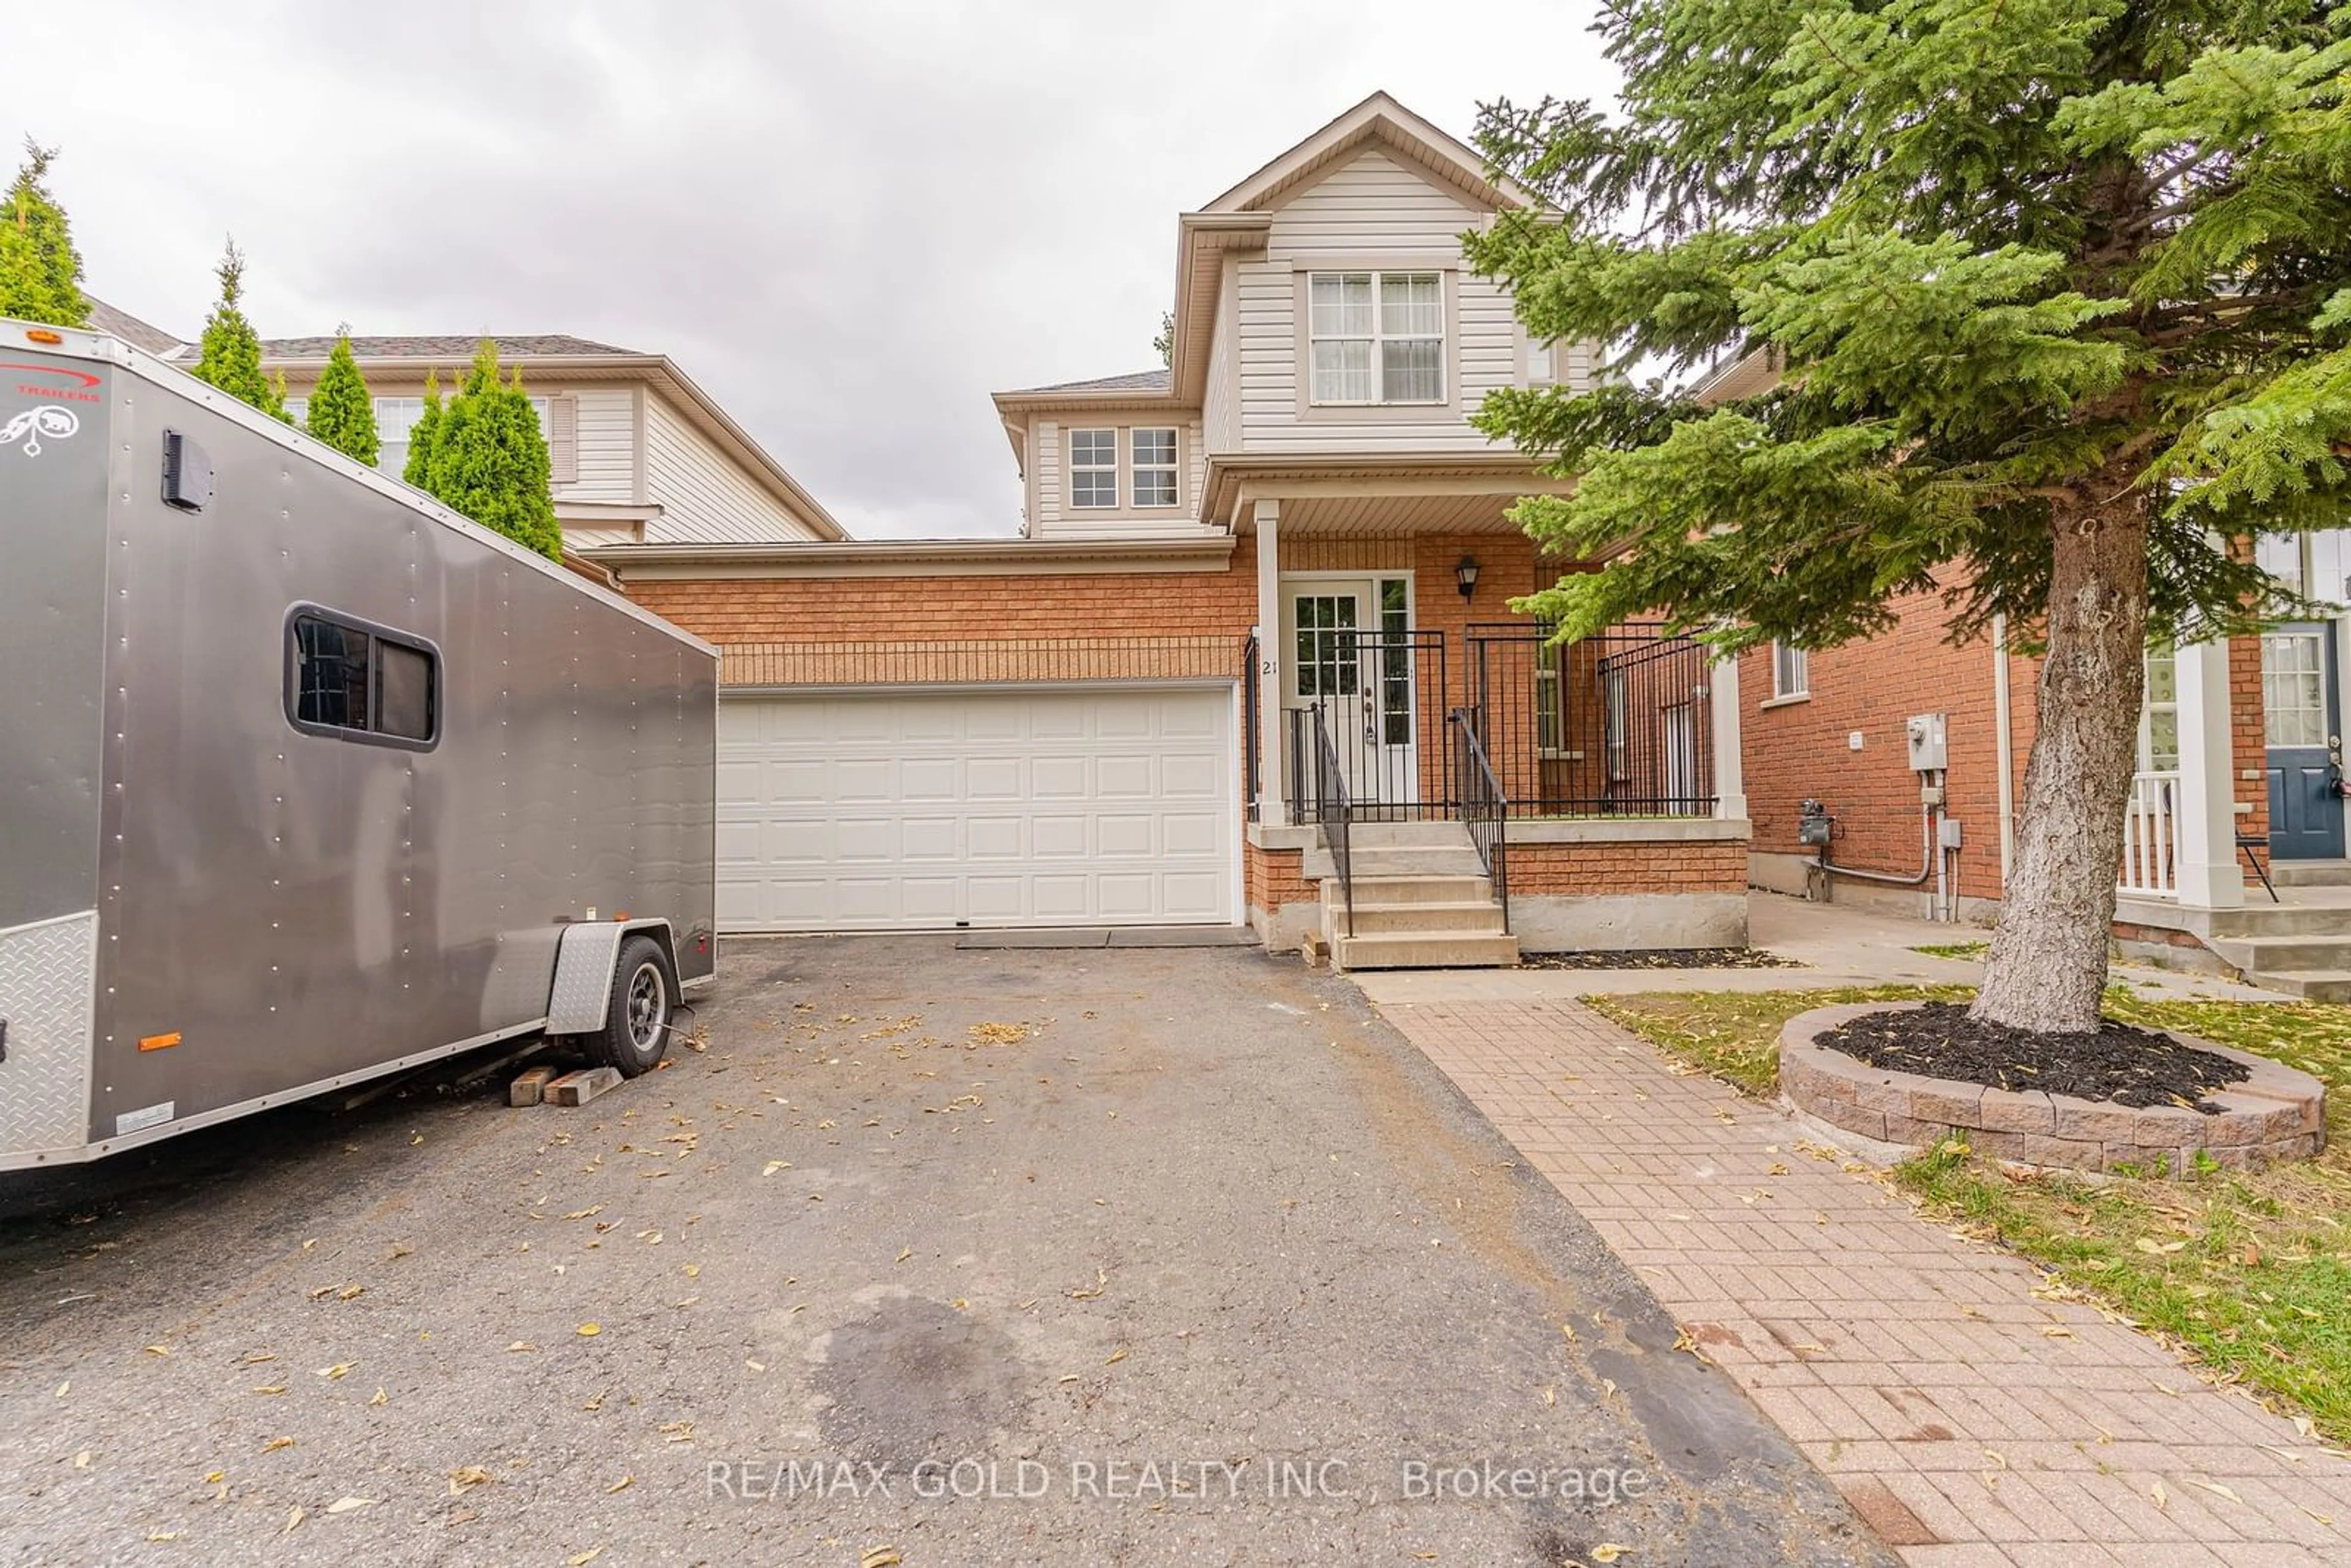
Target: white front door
[(1350, 656)]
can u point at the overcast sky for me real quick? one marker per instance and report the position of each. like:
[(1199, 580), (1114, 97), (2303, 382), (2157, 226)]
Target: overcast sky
[(850, 220)]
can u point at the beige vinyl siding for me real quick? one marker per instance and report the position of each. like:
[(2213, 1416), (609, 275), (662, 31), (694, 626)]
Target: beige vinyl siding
[(1371, 208), (1056, 518), (705, 496), (1049, 477), (608, 458), (1220, 410)]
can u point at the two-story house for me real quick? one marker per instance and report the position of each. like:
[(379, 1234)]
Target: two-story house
[(1251, 657), (639, 452)]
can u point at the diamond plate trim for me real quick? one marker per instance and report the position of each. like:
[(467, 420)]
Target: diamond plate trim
[(48, 977), (582, 991)]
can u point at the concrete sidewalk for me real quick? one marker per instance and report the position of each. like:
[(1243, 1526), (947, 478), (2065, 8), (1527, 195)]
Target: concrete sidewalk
[(1969, 1415), (1837, 945)]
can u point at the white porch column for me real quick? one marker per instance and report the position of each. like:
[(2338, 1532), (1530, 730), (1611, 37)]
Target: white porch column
[(2206, 874), (1273, 785), (1730, 773)]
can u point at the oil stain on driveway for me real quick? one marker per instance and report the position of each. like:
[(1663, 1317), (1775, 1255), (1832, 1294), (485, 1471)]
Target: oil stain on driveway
[(1094, 1256)]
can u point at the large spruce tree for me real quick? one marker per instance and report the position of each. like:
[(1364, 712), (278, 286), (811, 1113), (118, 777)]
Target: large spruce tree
[(418, 469), (229, 355), (487, 458), (40, 271), (340, 411), (2059, 293)]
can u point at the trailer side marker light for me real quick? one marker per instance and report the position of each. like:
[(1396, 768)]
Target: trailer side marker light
[(43, 335), (619, 915), (160, 1041)]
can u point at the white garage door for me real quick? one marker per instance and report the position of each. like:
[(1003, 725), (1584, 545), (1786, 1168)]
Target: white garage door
[(888, 810)]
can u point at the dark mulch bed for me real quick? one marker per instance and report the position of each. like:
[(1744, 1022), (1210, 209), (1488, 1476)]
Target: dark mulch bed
[(2122, 1062), (1664, 958)]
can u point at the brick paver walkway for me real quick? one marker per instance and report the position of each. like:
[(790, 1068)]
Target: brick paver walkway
[(1969, 1419)]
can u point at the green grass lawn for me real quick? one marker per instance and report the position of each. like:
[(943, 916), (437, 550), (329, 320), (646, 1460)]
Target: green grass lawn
[(1953, 949), (2252, 1272)]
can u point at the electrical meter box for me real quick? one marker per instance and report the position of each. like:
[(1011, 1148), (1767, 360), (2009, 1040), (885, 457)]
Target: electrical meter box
[(1925, 734)]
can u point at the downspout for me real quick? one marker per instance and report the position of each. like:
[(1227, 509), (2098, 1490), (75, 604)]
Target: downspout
[(2006, 745)]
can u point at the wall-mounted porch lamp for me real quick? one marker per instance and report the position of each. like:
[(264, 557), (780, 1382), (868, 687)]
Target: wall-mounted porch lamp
[(1466, 574)]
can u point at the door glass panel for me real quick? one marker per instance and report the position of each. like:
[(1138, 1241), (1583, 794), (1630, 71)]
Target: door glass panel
[(1327, 656), (2293, 689), (1395, 665)]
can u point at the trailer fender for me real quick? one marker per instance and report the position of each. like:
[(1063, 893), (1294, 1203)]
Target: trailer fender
[(585, 954)]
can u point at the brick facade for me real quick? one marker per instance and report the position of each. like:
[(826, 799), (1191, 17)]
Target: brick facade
[(1798, 750), (1537, 870)]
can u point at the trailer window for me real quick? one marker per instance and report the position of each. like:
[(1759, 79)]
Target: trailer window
[(361, 682)]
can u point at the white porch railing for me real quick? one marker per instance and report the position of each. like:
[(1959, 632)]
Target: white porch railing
[(2151, 837)]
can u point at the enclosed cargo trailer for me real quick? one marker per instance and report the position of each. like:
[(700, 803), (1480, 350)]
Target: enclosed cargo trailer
[(304, 779)]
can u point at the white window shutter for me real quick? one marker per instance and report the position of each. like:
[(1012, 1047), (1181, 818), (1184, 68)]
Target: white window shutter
[(563, 439)]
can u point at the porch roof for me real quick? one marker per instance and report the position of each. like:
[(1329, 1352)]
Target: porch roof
[(1352, 493)]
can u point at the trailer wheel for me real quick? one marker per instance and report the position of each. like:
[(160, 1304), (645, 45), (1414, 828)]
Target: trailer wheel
[(635, 1034)]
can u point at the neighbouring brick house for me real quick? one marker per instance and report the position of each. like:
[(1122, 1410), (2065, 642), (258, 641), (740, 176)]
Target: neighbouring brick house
[(2234, 745), (1251, 645)]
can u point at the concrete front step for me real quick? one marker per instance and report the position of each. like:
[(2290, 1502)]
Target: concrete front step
[(1457, 950), (1413, 890), (2283, 955), (1442, 834), (2310, 873), (2310, 985), (1398, 861), (1429, 919)]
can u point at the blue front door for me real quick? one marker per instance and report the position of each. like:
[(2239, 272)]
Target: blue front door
[(2305, 748)]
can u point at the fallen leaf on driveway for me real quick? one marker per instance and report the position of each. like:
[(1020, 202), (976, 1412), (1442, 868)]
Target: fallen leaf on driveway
[(159, 1350), (2161, 1494), (275, 1444), (520, 1345), (621, 1485), (337, 1371), (292, 1520), (350, 1504), (467, 1476), (584, 1558), (1608, 1552), (775, 1165), (2217, 1490), (1115, 1356), (81, 1460), (589, 1331), (271, 1388), (880, 1557)]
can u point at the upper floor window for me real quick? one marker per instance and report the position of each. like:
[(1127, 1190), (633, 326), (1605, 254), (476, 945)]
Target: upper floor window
[(1791, 677), (1094, 468), (1155, 466), (1376, 337), (395, 421)]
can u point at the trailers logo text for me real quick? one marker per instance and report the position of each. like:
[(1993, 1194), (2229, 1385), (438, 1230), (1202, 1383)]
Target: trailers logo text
[(51, 419)]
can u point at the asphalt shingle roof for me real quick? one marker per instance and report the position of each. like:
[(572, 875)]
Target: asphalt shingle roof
[(458, 347), (123, 324), (1140, 380)]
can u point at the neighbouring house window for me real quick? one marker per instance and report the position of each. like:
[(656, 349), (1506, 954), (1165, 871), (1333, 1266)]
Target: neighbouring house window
[(2294, 688), (1376, 337), (1617, 727), (2158, 737), (1791, 676), (1547, 714), (2279, 555), (395, 417), (360, 682), (1094, 468), (1154, 465), (298, 409), (1328, 661)]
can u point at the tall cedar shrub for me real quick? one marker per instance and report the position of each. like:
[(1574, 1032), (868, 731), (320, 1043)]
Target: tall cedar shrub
[(2059, 295), (418, 469), (341, 413), (489, 458), (229, 355), (40, 271)]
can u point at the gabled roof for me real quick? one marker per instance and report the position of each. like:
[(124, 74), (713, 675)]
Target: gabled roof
[(1157, 381), (529, 346), (1378, 119)]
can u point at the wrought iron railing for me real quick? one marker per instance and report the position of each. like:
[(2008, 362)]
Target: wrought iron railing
[(1619, 723), (1333, 810), (1483, 809), (1253, 761), (1383, 696)]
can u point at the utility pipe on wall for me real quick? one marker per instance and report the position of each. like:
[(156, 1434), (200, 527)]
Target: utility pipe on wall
[(1926, 859), (2006, 746)]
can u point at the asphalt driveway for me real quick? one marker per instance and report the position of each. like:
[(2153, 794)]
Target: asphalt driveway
[(1095, 1256)]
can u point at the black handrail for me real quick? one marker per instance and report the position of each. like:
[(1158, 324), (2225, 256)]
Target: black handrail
[(1251, 750), (1333, 810), (1484, 810)]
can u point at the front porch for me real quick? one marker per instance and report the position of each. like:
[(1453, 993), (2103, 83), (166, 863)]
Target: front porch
[(1393, 717)]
